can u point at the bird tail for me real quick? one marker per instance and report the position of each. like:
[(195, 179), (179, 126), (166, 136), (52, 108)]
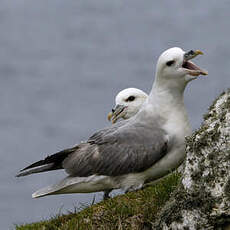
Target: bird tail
[(52, 162), (44, 192), (49, 190), (61, 187), (70, 184)]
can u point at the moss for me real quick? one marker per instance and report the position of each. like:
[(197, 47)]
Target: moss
[(205, 138), (227, 189), (196, 174), (182, 200), (211, 114), (221, 222), (211, 156)]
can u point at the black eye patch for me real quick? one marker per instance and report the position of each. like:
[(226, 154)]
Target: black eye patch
[(169, 63), (130, 98)]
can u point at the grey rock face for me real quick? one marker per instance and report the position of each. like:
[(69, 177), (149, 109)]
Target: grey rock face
[(202, 201)]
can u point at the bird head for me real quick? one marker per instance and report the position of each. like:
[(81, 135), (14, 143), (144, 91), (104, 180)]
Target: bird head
[(175, 68), (128, 103)]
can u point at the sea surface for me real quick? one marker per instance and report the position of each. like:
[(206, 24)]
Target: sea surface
[(63, 62)]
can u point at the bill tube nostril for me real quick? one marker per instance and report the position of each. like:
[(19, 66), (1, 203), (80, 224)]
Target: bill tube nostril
[(117, 113), (191, 68), (192, 54)]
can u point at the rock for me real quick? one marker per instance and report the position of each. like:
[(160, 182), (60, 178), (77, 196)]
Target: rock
[(202, 201)]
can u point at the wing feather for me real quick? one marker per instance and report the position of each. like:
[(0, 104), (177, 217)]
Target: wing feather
[(119, 150)]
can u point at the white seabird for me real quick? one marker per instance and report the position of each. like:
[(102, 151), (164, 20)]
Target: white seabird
[(131, 152), (127, 103)]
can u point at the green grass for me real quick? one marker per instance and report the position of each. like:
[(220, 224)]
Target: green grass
[(133, 210)]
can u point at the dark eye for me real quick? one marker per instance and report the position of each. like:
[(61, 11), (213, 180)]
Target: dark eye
[(131, 98), (169, 63)]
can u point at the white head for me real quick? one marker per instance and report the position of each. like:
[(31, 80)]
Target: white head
[(175, 70), (128, 103)]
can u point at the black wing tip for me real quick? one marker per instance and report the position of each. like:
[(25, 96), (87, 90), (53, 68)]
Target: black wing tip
[(20, 174), (36, 164), (55, 159)]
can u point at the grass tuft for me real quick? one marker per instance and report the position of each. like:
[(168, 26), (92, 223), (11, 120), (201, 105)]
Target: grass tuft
[(134, 210)]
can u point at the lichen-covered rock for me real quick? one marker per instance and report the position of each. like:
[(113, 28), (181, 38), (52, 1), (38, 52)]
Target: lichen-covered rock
[(202, 201)]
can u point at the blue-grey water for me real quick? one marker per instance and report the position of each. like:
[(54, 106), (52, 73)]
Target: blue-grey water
[(62, 63)]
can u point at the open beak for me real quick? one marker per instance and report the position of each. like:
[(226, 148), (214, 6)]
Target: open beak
[(117, 112), (190, 67)]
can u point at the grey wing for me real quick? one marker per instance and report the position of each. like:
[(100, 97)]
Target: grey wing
[(118, 150)]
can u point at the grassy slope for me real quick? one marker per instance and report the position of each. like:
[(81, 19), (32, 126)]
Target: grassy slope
[(133, 210)]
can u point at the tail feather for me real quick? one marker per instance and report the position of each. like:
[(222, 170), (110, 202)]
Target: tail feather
[(49, 190), (70, 184), (52, 162), (60, 188)]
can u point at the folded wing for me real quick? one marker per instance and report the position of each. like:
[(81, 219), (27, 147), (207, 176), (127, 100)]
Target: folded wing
[(123, 148)]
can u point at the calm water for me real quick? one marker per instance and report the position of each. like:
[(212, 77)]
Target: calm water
[(62, 63)]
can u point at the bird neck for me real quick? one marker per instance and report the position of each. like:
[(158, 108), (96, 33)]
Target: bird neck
[(167, 102), (165, 96), (167, 92)]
